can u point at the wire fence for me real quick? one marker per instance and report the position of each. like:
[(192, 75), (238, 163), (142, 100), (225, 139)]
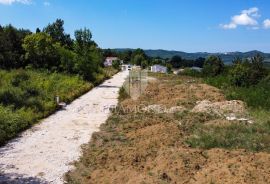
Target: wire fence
[(136, 83)]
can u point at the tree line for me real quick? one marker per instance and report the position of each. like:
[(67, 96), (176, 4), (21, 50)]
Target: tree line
[(244, 72), (52, 49)]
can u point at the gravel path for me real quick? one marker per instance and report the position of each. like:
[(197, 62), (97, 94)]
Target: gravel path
[(43, 153)]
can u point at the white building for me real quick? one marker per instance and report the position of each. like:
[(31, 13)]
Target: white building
[(158, 69), (109, 61)]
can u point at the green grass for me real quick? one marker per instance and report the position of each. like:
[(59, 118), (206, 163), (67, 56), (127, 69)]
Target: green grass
[(257, 97), (238, 135), (253, 137), (27, 96)]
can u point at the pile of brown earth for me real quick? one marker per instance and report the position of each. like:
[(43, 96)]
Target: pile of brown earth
[(150, 147)]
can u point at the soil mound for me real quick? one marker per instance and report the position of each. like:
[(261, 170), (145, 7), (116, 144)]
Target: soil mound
[(224, 108)]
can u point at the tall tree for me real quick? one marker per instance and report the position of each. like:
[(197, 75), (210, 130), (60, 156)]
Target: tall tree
[(176, 61), (38, 30), (126, 56), (213, 66), (11, 51), (41, 51), (57, 32), (139, 57), (89, 56)]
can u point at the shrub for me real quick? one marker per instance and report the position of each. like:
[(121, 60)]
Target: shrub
[(213, 66), (19, 77), (191, 72), (246, 73), (12, 122), (240, 74), (12, 96), (27, 95), (116, 64)]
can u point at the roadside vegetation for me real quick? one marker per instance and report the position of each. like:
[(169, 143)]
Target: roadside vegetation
[(27, 96), (37, 67)]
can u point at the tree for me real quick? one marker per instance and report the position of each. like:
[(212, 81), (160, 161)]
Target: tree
[(41, 51), (116, 64), (38, 30), (67, 59), (139, 57), (169, 68), (57, 32), (126, 56), (144, 64), (88, 55), (247, 72), (199, 62), (239, 74), (213, 66), (109, 53), (11, 51), (176, 61), (257, 71)]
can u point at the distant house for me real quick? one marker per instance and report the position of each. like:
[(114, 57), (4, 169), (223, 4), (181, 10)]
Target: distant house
[(109, 61), (158, 69)]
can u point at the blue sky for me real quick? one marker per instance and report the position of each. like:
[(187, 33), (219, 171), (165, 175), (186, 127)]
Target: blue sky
[(184, 25)]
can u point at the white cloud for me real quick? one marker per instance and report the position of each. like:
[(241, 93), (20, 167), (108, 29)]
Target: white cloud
[(246, 18), (229, 26), (266, 24), (9, 2), (254, 12), (46, 3)]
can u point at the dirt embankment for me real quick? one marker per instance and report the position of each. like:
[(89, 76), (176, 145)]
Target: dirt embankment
[(150, 147)]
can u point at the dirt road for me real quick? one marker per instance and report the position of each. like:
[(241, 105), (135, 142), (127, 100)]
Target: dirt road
[(43, 153)]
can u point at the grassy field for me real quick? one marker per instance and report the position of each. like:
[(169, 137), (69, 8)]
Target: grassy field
[(137, 146), (26, 96)]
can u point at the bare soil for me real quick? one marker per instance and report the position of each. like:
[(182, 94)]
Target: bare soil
[(149, 147)]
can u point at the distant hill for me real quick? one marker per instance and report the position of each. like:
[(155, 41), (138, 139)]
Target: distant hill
[(226, 57)]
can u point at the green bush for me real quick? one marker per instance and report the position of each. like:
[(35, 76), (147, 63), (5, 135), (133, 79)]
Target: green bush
[(256, 96), (240, 75), (191, 72), (247, 73), (116, 64), (12, 96), (41, 50), (19, 77), (28, 93), (14, 121), (213, 66)]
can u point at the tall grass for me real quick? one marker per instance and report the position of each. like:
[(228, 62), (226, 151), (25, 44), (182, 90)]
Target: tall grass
[(27, 96), (257, 97), (254, 137)]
